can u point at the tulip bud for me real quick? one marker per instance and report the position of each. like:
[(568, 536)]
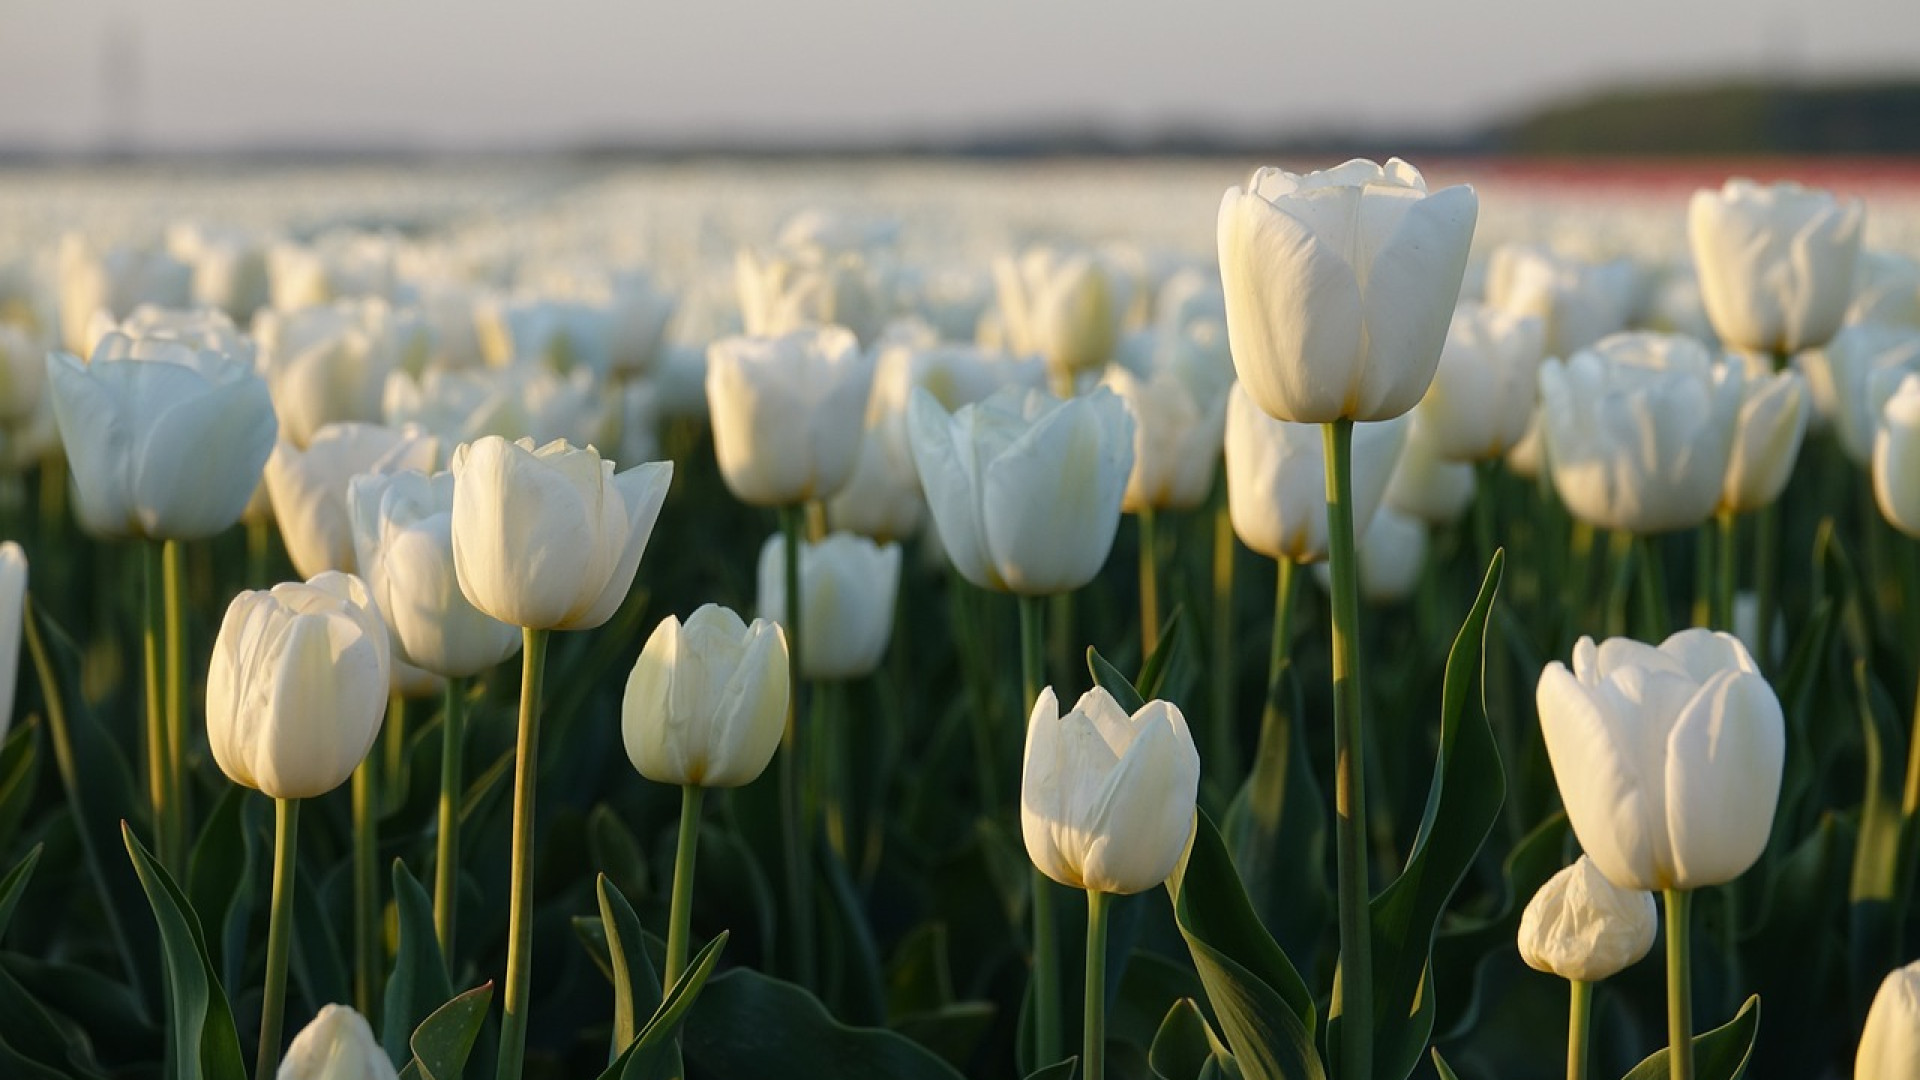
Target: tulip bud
[(1766, 440), (1340, 285), (336, 1045), (1854, 375), (1890, 1041), (1580, 927), (848, 585), (1025, 489), (1776, 263), (1176, 440), (1062, 307), (787, 413), (1106, 799), (1485, 386), (550, 538), (1277, 479), (13, 598), (707, 701), (1577, 303), (1668, 759), (309, 487), (297, 686), (1896, 458)]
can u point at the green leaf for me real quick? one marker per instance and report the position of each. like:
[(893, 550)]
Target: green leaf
[(1276, 828), (1440, 1066), (862, 996), (747, 1024), (17, 1066), (443, 1040), (681, 996), (1463, 951), (14, 884), (1153, 670), (1873, 892), (954, 1031), (1108, 678), (1185, 1044), (18, 772), (204, 1043), (1463, 805), (418, 983), (635, 984), (616, 851), (1266, 1011), (1059, 1070), (220, 876), (1720, 1054)]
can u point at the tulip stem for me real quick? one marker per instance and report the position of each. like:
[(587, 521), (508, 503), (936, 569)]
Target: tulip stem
[(446, 860), (1620, 552), (793, 524), (1093, 1043), (1048, 1045), (680, 915), (526, 759), (259, 542), (1353, 982), (1286, 571), (172, 572), (1725, 569), (159, 789), (366, 893), (1653, 590), (1766, 585), (1579, 1018), (273, 998), (1679, 904), (1224, 763), (1149, 584)]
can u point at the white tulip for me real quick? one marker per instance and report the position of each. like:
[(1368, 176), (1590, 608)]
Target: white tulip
[(1486, 385), (848, 586), (1583, 928), (1775, 263), (1766, 441), (787, 413), (1277, 479), (309, 487), (336, 1045), (706, 703)]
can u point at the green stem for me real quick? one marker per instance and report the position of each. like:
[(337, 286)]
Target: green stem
[(1149, 584), (1579, 1018), (1725, 569), (1093, 1052), (1766, 585), (829, 748), (526, 759), (680, 915), (1048, 1044), (393, 742), (446, 862), (1277, 649), (159, 788), (793, 522), (273, 999), (1653, 592), (1353, 982), (1679, 903), (1619, 580), (366, 889), (259, 543), (172, 573), (967, 602), (1225, 760)]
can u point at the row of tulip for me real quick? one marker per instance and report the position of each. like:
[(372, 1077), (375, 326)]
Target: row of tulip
[(1338, 296)]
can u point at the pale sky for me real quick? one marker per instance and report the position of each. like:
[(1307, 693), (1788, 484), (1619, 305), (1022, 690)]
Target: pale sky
[(489, 74)]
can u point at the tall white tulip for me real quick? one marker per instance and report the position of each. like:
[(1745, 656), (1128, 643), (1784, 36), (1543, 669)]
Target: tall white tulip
[(297, 686), (549, 538), (1176, 439), (706, 703), (1583, 928), (1668, 759), (848, 585), (1340, 285), (309, 487), (1107, 799), (1776, 262), (168, 446), (787, 412), (1766, 441), (336, 1044), (1025, 489), (1277, 479), (1486, 385), (1890, 1042), (1639, 430)]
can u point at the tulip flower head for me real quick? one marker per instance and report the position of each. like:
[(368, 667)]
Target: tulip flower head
[(1486, 385), (308, 487), (1896, 458), (787, 413), (848, 585), (549, 538), (1107, 799), (1277, 479), (1668, 759), (336, 1045), (1766, 441), (297, 686), (1890, 1043), (707, 702), (1340, 286), (1581, 928), (1025, 489), (1776, 263), (1064, 307), (1177, 433)]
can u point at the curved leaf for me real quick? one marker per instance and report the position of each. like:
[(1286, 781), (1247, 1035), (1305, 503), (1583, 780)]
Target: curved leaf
[(1059, 1070), (1720, 1054), (1276, 828), (635, 985), (418, 984), (746, 1024), (443, 1040), (204, 1042), (1185, 1044)]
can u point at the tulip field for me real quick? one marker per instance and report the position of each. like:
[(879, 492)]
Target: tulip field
[(1149, 620)]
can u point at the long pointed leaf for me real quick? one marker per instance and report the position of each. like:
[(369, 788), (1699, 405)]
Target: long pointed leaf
[(205, 1044), (441, 1043), (1720, 1054), (418, 984)]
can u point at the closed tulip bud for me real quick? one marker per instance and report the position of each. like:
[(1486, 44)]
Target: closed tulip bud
[(1577, 302), (787, 413), (550, 538), (336, 1045), (1340, 286), (805, 285), (848, 585), (309, 487), (707, 702), (1668, 759), (1106, 799), (165, 446), (1890, 1041), (402, 526), (1062, 307), (1485, 387), (297, 686), (1896, 458), (1639, 431), (1775, 263), (1766, 441), (13, 598), (1176, 440), (1277, 479), (1025, 489), (1853, 375), (1581, 928), (325, 366), (1426, 486)]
